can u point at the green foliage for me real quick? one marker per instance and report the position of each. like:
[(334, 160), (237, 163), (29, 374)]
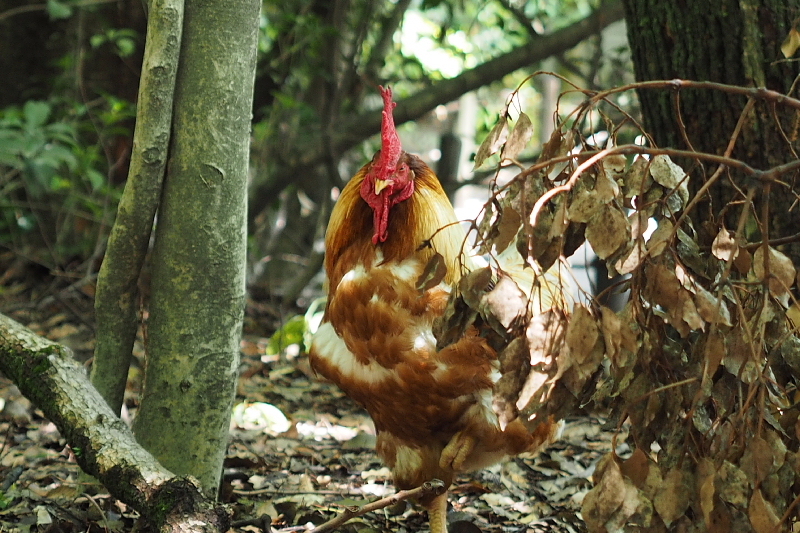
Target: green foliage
[(123, 39), (59, 10), (298, 330), (54, 187), (291, 333)]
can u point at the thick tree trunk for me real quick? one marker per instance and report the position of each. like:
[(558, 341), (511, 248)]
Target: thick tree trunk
[(104, 447), (727, 41), (198, 287)]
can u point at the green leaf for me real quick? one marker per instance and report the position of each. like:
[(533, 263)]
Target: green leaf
[(58, 10), (96, 178), (291, 333), (97, 40), (59, 183), (126, 47), (36, 113)]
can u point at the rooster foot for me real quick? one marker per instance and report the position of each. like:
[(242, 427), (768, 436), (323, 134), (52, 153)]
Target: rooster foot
[(457, 451), (437, 513)]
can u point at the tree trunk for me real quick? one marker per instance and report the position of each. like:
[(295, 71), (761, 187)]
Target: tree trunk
[(198, 287), (727, 41), (117, 299)]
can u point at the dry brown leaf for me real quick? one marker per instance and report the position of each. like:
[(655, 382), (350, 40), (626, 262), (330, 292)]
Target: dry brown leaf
[(793, 314), (782, 273), (628, 264), (558, 144), (515, 366), (474, 285), (618, 336), (672, 498), (791, 43), (724, 246), (608, 230), (637, 179), (582, 334), (762, 514), (732, 485), (665, 172), (615, 504), (758, 460), (636, 467), (507, 229), (663, 286), (665, 289), (660, 238), (519, 137), (743, 261), (713, 310), (545, 335), (506, 301), (706, 473), (433, 273), (560, 222), (605, 186), (492, 142), (714, 352), (583, 207), (606, 497)]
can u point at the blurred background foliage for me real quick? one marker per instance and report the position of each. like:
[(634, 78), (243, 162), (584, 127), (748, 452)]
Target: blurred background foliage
[(67, 113)]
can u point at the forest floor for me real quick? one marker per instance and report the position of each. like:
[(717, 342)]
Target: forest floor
[(300, 451)]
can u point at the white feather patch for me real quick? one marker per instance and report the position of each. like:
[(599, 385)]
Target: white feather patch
[(330, 346), (407, 270)]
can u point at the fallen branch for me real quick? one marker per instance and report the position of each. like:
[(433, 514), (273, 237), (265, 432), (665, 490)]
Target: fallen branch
[(433, 487), (104, 446)]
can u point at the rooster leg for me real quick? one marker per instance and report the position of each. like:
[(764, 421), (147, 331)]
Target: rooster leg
[(437, 513), (457, 451)]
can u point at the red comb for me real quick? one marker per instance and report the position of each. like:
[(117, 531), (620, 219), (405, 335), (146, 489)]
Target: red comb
[(390, 142)]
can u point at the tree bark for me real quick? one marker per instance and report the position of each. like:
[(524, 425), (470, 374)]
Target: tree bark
[(104, 447), (728, 41), (198, 287), (117, 302)]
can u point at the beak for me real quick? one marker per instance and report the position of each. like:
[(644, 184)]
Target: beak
[(382, 184)]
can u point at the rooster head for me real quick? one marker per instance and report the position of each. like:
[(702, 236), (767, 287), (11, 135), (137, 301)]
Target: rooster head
[(389, 179)]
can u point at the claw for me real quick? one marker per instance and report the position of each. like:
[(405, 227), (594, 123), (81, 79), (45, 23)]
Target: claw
[(457, 451)]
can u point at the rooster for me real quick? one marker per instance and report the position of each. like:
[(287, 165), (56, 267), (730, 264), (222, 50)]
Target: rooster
[(432, 408)]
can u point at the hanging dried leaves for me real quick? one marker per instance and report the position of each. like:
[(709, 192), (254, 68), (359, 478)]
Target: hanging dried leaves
[(492, 142), (701, 362), (519, 137)]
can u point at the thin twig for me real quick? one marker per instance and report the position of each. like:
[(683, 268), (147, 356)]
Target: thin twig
[(433, 487)]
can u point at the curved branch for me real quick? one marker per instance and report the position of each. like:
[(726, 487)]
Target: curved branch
[(104, 446)]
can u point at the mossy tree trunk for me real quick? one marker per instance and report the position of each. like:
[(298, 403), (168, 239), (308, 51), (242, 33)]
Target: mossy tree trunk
[(736, 42), (198, 274)]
